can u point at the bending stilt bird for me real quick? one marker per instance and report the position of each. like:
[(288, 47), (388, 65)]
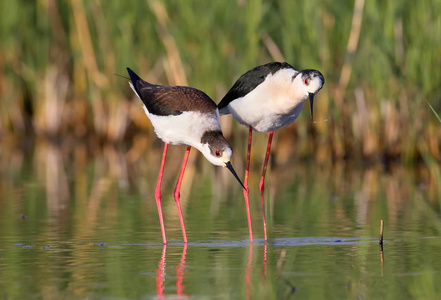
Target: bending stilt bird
[(183, 116)]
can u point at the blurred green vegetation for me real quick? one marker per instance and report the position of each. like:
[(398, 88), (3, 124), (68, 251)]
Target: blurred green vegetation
[(381, 61)]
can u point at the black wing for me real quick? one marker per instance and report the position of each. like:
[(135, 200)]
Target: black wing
[(163, 100), (250, 80)]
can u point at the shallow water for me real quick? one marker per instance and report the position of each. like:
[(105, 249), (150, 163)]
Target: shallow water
[(72, 230)]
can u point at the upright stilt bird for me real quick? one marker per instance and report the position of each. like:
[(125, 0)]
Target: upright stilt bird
[(266, 98)]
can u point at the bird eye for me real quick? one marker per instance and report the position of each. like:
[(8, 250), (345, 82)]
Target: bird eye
[(306, 81), (217, 153)]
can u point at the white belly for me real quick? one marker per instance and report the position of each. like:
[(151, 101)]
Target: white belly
[(184, 129), (263, 120)]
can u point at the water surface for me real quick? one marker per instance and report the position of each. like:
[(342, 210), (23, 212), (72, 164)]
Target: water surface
[(89, 229)]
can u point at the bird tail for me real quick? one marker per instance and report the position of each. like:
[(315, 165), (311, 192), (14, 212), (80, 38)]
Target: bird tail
[(135, 78)]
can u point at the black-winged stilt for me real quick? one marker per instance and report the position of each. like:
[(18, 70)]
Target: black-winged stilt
[(266, 98), (183, 116)]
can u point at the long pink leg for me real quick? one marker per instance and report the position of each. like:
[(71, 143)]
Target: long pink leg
[(178, 194), (262, 181), (158, 193), (246, 191)]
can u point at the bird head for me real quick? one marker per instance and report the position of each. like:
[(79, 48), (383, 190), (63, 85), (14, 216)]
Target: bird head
[(218, 151), (309, 82)]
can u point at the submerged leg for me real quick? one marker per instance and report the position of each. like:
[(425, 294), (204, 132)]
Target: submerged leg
[(246, 191), (262, 181), (158, 193), (178, 194)]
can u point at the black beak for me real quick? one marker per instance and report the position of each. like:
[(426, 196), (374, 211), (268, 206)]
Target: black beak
[(230, 167), (311, 103)]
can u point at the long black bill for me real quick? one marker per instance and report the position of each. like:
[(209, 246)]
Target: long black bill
[(311, 103), (230, 167)]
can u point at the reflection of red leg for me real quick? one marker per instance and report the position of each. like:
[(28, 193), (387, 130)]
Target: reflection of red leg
[(158, 193), (246, 192), (248, 272), (178, 194), (262, 181), (264, 267), (160, 274), (180, 272)]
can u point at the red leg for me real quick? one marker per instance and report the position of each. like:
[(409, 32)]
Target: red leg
[(246, 192), (178, 194), (262, 181), (158, 193)]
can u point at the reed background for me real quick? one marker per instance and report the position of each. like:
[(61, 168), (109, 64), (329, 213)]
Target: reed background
[(381, 61)]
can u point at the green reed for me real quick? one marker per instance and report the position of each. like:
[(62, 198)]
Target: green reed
[(434, 112)]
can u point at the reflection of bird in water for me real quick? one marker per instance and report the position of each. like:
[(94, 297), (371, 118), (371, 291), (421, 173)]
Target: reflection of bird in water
[(180, 270), (292, 289)]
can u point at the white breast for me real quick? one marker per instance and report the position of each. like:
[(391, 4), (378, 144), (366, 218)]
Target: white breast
[(271, 105)]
